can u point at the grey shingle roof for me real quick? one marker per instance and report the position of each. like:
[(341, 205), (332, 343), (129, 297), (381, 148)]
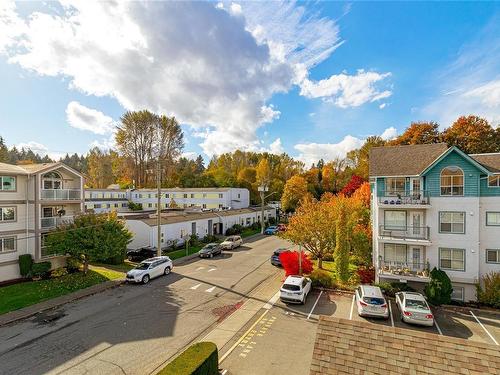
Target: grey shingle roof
[(489, 161), (408, 160)]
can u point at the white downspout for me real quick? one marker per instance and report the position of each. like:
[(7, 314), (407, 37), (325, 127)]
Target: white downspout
[(27, 213)]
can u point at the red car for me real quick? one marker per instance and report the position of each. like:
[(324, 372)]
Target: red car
[(281, 227)]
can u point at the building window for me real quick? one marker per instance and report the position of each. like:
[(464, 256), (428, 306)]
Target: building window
[(452, 259), (395, 185), (493, 218), (192, 195), (167, 195), (494, 181), (394, 220), (7, 213), (221, 196), (7, 183), (452, 181), (492, 256), (150, 205), (204, 205), (7, 244), (52, 181), (97, 205), (458, 293), (124, 204), (185, 196), (452, 222), (220, 205), (239, 196), (204, 195), (395, 253)]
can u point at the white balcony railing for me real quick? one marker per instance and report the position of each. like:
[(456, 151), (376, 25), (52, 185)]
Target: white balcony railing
[(61, 194), (407, 233), (409, 269), (53, 222)]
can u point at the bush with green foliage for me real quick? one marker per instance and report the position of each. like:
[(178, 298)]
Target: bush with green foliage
[(25, 265), (488, 292), (439, 289), (209, 238), (199, 359), (255, 226), (73, 265), (391, 288), (322, 278), (58, 272), (271, 221), (134, 206), (41, 269), (235, 229)]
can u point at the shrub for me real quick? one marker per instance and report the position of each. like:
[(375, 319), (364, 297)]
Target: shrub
[(272, 221), (392, 288), (117, 259), (134, 206), (290, 262), (25, 265), (199, 359), (58, 272), (193, 239), (255, 226), (322, 278), (490, 294), (41, 269), (209, 238), (73, 265), (366, 274), (439, 289)]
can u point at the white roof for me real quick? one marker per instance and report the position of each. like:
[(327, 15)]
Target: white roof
[(414, 296), (294, 280), (371, 291)]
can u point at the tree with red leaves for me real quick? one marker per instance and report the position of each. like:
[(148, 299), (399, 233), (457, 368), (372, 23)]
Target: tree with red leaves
[(353, 185), (290, 262)]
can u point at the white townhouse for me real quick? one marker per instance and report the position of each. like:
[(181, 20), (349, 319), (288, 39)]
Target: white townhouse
[(435, 206), (105, 200), (179, 224), (34, 198)]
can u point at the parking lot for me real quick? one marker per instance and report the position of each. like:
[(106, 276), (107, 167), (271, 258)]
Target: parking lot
[(283, 331)]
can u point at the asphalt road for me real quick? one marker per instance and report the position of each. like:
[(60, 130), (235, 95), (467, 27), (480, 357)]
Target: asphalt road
[(135, 329)]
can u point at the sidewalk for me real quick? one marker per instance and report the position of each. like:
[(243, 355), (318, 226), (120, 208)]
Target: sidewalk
[(29, 311)]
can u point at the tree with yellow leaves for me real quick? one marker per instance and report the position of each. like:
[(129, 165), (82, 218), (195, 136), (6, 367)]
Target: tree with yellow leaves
[(295, 190)]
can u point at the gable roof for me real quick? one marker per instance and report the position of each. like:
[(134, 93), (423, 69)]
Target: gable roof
[(12, 169), (462, 154), (489, 161), (407, 160), (27, 169)]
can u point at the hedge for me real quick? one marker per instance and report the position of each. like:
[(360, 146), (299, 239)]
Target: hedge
[(41, 269), (199, 359), (25, 264)]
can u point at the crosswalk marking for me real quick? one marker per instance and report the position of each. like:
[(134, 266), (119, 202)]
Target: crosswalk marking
[(210, 290), (200, 268), (212, 269), (195, 286)]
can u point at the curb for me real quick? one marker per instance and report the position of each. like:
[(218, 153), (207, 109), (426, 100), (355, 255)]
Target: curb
[(29, 311), (466, 310)]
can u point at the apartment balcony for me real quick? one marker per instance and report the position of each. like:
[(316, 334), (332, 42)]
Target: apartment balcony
[(410, 271), (414, 199), (60, 194), (407, 234), (55, 221)]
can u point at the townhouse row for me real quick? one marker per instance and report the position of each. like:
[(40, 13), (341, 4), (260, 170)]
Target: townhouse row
[(435, 206)]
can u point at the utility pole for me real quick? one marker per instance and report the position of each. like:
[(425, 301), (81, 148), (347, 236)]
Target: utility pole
[(300, 260), (158, 187), (262, 190)]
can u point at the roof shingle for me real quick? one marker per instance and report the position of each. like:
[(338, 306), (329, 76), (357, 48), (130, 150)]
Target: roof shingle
[(489, 161)]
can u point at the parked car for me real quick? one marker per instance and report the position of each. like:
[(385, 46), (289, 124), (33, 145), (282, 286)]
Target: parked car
[(141, 253), (275, 258), (177, 243), (295, 289), (149, 269), (209, 250), (281, 228), (271, 230), (413, 308), (371, 302), (231, 242)]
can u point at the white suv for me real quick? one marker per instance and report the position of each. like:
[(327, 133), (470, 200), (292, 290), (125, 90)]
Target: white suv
[(295, 289), (149, 269), (371, 302), (232, 242)]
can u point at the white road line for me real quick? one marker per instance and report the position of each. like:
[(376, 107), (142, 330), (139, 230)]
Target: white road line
[(315, 303), (242, 337), (210, 290), (437, 326), (200, 268), (272, 301), (195, 287), (224, 372), (211, 269), (485, 330), (390, 314), (352, 307)]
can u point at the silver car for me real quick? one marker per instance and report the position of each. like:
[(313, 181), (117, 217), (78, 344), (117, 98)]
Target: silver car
[(149, 269), (231, 242), (371, 302), (413, 308)]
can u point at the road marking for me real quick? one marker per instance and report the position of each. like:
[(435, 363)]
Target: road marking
[(315, 303), (210, 290), (200, 268), (352, 307), (224, 372), (272, 301), (390, 314), (485, 330), (211, 269), (195, 287), (242, 337), (437, 326)]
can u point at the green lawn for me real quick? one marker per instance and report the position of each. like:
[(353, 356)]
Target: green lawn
[(182, 252), (17, 296), (249, 232)]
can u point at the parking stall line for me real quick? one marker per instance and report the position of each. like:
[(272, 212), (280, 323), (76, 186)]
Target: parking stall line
[(211, 269), (352, 307), (195, 287), (210, 290), (437, 326), (485, 330), (272, 301), (390, 314), (200, 268), (314, 306)]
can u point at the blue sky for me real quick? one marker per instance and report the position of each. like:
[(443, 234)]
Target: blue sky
[(311, 79)]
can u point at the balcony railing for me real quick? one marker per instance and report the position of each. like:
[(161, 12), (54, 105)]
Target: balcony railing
[(412, 269), (400, 197), (407, 232), (52, 222), (61, 194)]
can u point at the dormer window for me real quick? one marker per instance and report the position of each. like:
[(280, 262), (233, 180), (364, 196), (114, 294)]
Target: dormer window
[(452, 181), (52, 180)]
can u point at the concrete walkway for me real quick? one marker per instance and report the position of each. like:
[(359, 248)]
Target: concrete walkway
[(28, 311)]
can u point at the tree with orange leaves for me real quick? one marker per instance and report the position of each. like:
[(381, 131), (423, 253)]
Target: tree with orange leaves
[(472, 135)]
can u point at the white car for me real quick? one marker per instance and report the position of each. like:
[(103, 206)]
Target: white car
[(371, 302), (414, 309), (149, 269), (232, 242), (295, 289)]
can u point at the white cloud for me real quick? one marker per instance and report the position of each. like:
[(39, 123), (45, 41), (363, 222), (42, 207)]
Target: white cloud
[(311, 152), (382, 106), (105, 144), (84, 118), (41, 150), (488, 94), (276, 147), (347, 90), (389, 133), (189, 155)]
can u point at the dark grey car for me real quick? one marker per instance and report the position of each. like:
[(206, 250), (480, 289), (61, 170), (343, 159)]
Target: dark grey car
[(210, 250)]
